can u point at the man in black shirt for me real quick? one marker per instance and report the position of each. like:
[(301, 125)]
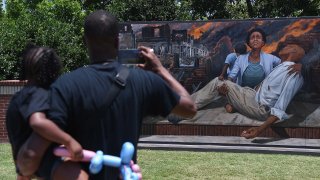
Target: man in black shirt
[(79, 99)]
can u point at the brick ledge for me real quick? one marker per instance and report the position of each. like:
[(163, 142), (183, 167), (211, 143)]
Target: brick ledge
[(227, 130), (13, 82)]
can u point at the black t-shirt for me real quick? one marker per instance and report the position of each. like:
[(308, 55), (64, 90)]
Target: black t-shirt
[(22, 105), (78, 105), (27, 101)]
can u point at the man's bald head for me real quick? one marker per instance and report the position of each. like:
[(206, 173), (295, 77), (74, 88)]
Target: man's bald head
[(292, 52), (100, 25), (101, 30)]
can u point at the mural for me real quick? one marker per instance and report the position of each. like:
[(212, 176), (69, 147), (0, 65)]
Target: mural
[(194, 52)]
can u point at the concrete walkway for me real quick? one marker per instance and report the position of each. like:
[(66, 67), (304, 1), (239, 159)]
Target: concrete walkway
[(231, 144)]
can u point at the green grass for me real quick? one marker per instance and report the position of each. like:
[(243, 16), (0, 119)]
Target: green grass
[(7, 170), (207, 165), (219, 165)]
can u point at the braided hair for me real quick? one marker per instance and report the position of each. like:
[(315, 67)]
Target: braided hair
[(41, 66)]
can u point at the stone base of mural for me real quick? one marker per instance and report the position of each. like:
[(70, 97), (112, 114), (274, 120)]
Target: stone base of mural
[(213, 120), (305, 115)]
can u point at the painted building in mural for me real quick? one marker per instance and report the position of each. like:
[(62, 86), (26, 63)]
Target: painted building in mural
[(195, 53), (174, 47)]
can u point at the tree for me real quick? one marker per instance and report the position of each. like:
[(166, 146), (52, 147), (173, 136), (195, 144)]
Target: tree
[(239, 9), (10, 48), (15, 8), (55, 24), (215, 9), (284, 8), (184, 10), (143, 10), (90, 5), (250, 8), (1, 10)]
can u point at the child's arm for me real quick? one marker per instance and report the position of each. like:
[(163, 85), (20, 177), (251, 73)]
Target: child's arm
[(224, 70), (46, 128), (19, 175), (45, 132), (30, 154)]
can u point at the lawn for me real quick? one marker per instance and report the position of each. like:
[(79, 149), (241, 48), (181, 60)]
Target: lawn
[(207, 165)]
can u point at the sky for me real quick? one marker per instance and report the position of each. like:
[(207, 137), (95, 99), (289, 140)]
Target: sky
[(3, 4)]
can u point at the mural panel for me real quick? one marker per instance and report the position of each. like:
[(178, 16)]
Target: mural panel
[(195, 52)]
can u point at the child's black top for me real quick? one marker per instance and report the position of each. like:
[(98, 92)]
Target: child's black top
[(23, 104)]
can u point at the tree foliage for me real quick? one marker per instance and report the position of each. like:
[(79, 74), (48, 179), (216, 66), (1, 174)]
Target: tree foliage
[(285, 8), (239, 9), (95, 4), (1, 10), (144, 10), (11, 39), (55, 24), (215, 9)]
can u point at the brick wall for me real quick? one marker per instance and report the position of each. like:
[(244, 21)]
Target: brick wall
[(7, 89)]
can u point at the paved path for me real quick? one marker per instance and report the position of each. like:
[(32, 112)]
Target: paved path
[(231, 144)]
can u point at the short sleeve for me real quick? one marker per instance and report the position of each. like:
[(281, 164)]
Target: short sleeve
[(36, 101), (231, 58), (236, 68), (59, 103), (162, 98)]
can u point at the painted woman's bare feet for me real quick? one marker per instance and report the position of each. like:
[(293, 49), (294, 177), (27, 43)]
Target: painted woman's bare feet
[(229, 108)]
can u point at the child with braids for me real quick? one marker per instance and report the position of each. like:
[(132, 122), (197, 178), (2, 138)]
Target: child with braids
[(30, 132)]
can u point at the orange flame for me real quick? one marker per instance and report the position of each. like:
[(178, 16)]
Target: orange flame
[(296, 29), (197, 32)]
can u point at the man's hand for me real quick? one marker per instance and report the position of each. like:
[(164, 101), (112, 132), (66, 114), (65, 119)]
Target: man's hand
[(152, 62), (295, 68), (223, 90), (186, 106), (221, 77), (136, 168), (75, 150), (251, 133), (255, 131)]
